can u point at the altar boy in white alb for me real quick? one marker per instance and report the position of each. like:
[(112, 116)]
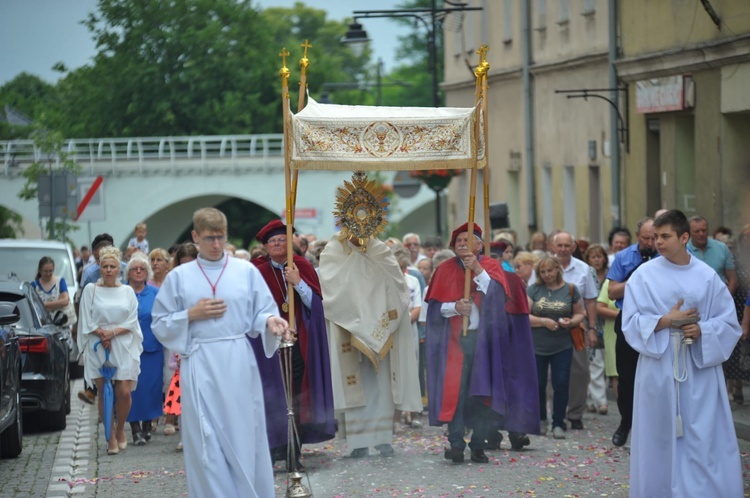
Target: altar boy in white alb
[(204, 311), (683, 442)]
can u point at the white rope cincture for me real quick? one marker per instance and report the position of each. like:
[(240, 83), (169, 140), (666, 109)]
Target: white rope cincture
[(679, 349)]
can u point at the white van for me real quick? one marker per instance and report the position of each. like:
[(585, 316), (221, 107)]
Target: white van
[(21, 257)]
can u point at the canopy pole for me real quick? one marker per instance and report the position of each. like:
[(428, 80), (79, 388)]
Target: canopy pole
[(284, 73), (484, 68), (473, 190), (303, 63)]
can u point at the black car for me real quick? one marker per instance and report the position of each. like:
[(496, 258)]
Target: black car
[(45, 374), (11, 422)]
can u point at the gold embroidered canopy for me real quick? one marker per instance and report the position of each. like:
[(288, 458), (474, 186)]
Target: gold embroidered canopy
[(367, 138)]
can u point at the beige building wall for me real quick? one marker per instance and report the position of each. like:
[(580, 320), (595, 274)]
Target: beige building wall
[(569, 41), (694, 159)]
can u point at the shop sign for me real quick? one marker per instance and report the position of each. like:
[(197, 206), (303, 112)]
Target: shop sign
[(673, 93)]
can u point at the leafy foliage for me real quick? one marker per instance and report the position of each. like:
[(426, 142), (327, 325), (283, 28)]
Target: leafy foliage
[(10, 224)]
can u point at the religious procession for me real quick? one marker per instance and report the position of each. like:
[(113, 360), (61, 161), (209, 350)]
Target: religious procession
[(286, 321), (277, 352)]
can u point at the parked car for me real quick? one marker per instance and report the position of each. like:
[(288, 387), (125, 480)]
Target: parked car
[(45, 373), (21, 257), (11, 421)]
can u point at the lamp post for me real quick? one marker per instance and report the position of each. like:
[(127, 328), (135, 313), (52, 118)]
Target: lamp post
[(431, 19), (362, 85)]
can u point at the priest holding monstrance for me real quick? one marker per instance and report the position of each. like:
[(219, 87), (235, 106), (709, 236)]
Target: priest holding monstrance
[(311, 380), (366, 302)]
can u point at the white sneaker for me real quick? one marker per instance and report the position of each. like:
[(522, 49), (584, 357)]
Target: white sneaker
[(397, 428), (558, 433), (415, 423), (543, 427)]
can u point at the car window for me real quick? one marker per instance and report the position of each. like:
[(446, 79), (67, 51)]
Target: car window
[(28, 317), (23, 261)]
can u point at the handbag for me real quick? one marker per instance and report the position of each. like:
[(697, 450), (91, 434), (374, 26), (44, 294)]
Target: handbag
[(577, 333)]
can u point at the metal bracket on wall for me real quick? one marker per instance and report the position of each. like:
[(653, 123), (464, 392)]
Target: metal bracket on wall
[(585, 93)]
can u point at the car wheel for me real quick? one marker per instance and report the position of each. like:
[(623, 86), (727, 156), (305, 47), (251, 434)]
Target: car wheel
[(11, 440), (57, 420)]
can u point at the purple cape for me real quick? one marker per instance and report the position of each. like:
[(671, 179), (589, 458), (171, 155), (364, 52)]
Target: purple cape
[(504, 369), (322, 425)]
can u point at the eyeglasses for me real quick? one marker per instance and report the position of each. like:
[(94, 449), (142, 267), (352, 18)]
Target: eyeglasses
[(211, 239), (276, 242)]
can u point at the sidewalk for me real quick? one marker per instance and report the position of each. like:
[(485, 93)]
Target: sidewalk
[(741, 415)]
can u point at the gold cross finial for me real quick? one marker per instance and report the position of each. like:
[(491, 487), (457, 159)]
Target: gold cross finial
[(284, 54), (482, 52), (306, 45)]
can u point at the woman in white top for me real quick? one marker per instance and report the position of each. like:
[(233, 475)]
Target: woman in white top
[(53, 290), (109, 313)]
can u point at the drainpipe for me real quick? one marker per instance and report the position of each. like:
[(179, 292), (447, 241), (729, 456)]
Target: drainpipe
[(613, 118), (528, 116)]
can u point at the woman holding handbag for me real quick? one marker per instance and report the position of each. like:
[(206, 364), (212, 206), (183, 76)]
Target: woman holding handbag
[(556, 309)]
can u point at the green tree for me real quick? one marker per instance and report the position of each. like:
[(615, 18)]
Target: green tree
[(330, 60), (173, 68), (10, 224), (29, 95)]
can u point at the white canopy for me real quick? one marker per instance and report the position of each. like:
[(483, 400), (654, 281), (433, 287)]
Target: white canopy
[(332, 137)]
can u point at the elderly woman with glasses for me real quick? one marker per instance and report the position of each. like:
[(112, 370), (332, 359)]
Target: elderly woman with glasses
[(147, 400)]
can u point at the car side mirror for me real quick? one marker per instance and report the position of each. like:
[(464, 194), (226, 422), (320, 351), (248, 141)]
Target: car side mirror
[(9, 313), (59, 318)]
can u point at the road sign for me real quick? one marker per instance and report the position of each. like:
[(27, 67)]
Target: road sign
[(91, 195), (57, 195)]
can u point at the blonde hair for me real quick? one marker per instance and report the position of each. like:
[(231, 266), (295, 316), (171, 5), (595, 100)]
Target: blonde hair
[(209, 219), (526, 258), (110, 252), (141, 225), (159, 253), (554, 263)]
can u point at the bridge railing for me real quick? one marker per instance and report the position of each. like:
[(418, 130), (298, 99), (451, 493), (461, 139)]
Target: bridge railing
[(122, 154)]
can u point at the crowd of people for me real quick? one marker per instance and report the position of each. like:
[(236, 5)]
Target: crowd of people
[(381, 333)]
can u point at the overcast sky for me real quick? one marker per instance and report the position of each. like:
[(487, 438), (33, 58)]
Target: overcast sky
[(36, 34)]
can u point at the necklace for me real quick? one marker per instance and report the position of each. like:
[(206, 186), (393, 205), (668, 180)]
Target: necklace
[(282, 288), (216, 284)]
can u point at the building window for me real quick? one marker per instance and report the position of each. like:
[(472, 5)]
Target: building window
[(589, 7), (541, 15), (569, 200), (507, 21), (548, 219), (563, 16)]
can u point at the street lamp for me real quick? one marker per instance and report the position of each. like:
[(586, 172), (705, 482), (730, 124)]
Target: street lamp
[(362, 85), (431, 19)]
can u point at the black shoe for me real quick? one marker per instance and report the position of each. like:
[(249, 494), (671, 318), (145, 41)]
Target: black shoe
[(386, 450), (518, 440), (478, 456), (454, 454), (576, 425), (147, 430), (494, 441), (359, 452), (620, 436), (139, 439)]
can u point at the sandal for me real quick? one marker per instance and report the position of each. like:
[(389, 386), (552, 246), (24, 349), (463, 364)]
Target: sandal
[(603, 410)]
